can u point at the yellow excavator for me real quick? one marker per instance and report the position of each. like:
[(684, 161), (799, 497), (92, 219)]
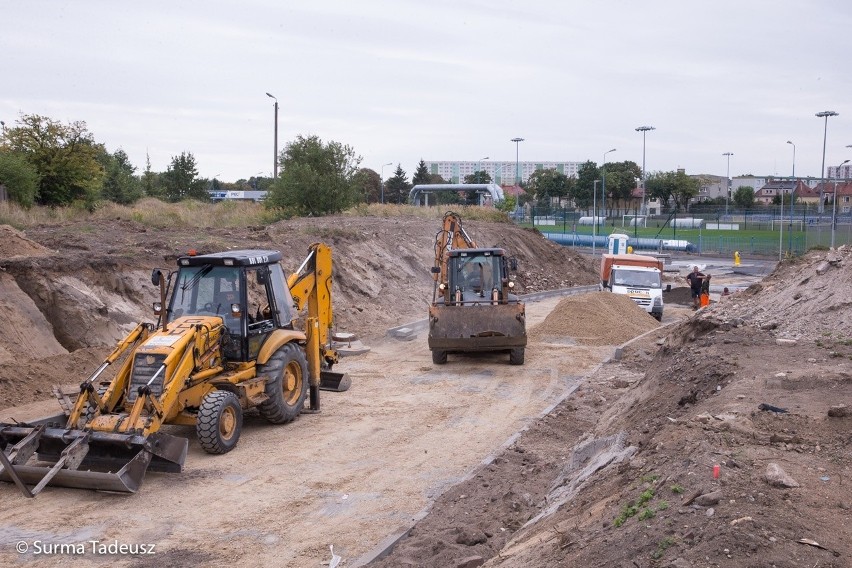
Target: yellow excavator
[(231, 338), (473, 307)]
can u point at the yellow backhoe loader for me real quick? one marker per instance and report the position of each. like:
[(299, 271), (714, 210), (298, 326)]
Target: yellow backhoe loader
[(231, 338), (473, 307)]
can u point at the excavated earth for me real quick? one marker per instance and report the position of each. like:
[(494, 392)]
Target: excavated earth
[(600, 451)]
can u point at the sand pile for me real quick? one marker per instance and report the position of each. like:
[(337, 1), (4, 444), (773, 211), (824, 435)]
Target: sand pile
[(13, 243), (599, 318)]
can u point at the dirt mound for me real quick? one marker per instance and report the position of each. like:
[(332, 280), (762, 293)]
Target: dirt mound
[(600, 318), (96, 288), (13, 244), (805, 297)]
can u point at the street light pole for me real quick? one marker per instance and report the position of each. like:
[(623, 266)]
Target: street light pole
[(792, 201), (643, 130), (275, 153), (517, 142), (834, 202), (479, 169), (728, 181), (603, 185), (824, 114), (594, 214), (382, 180)]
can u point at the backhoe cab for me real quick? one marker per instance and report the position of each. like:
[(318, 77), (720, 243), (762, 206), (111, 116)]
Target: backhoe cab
[(227, 341)]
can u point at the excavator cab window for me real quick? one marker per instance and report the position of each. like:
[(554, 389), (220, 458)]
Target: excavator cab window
[(475, 275)]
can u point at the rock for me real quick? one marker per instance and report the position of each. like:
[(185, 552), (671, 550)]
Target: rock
[(708, 499), (783, 341), (620, 384), (777, 477), (704, 418), (679, 563), (710, 512), (470, 562), (471, 537), (840, 411), (823, 268)]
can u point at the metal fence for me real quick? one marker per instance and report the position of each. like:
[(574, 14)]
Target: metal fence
[(760, 232)]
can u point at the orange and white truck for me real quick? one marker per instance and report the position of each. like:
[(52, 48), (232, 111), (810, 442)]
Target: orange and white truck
[(639, 277)]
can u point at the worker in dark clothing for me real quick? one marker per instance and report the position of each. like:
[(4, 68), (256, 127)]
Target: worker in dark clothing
[(695, 279)]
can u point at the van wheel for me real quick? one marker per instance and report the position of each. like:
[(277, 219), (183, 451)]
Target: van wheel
[(286, 384)]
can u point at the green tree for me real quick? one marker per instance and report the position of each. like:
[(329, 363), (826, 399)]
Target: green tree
[(20, 178), (479, 176), (547, 185), (582, 190), (64, 155), (421, 174), (368, 183), (181, 180), (317, 178), (676, 187), (744, 197), (508, 204), (621, 180), (120, 185), (152, 184), (397, 187)]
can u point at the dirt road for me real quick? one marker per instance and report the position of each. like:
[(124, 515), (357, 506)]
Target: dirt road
[(347, 477)]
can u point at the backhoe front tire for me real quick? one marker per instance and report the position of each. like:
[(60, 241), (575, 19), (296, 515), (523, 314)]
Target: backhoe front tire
[(286, 384), (220, 422), (516, 356), (439, 357)]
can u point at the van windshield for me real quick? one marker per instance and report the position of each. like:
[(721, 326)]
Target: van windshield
[(636, 278)]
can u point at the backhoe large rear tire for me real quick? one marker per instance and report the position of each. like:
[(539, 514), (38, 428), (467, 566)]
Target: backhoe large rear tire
[(220, 422), (286, 384)]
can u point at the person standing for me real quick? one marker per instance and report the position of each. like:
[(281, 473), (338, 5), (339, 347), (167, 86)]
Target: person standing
[(705, 292), (695, 279)]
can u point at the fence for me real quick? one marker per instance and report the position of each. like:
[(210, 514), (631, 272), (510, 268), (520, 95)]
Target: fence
[(757, 232)]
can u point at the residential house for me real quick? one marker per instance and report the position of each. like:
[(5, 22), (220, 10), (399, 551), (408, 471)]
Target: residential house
[(710, 188), (785, 187)]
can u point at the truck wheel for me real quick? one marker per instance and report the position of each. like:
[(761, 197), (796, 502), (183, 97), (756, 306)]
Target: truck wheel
[(516, 356), (439, 357), (220, 421), (286, 384)]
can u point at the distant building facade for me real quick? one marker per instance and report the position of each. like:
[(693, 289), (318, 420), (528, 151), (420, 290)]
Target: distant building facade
[(502, 173)]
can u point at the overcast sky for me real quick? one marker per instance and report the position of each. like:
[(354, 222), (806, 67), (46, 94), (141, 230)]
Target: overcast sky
[(441, 80)]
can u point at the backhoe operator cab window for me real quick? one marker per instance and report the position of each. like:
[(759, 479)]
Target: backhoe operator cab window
[(476, 275), (260, 292)]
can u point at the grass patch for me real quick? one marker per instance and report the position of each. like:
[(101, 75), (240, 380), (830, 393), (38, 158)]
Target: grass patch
[(662, 546), (677, 489)]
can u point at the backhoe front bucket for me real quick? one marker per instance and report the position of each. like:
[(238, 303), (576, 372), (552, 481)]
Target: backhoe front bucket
[(334, 381), (41, 455)]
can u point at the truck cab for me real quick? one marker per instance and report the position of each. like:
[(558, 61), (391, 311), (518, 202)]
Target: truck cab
[(636, 276)]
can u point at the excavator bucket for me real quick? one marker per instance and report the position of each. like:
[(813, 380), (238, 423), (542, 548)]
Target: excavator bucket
[(40, 455), (335, 382)]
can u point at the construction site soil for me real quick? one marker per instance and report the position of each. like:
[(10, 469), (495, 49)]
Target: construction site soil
[(720, 438)]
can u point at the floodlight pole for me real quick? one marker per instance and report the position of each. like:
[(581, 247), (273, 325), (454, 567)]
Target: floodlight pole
[(834, 202), (643, 130), (517, 142), (727, 182), (603, 184), (275, 153), (594, 214), (824, 114)]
